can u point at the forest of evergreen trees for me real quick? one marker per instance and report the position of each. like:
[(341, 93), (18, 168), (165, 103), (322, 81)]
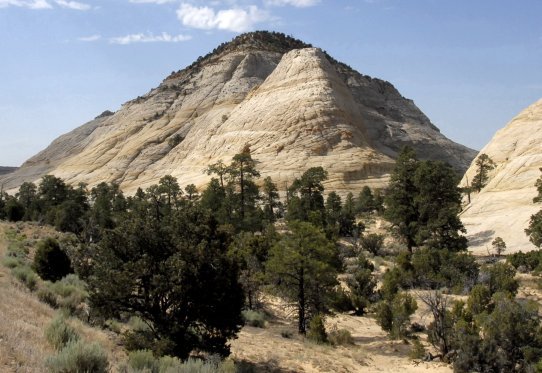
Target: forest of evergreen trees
[(191, 263)]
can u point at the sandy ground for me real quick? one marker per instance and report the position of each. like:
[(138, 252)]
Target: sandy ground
[(372, 351)]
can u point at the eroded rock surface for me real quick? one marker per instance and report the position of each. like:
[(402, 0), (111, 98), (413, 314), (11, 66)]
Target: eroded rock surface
[(293, 104), (504, 206)]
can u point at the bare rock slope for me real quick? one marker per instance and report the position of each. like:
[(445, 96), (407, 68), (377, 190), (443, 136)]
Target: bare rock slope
[(293, 104), (504, 206)]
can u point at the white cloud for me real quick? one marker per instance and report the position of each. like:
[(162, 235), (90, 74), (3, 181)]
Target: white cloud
[(90, 38), (149, 38), (152, 1), (30, 4), (296, 3), (73, 5), (234, 19), (44, 4)]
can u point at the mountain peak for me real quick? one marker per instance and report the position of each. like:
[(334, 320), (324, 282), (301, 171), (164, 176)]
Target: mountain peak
[(295, 105), (269, 41)]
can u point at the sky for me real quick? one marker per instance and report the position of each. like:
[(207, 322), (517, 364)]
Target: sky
[(469, 65)]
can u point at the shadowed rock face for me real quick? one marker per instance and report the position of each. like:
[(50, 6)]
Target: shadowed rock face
[(6, 170), (504, 206), (293, 104)]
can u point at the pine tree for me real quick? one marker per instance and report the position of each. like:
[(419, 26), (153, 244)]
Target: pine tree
[(176, 276), (242, 171), (484, 164), (438, 202), (366, 201), (347, 219), (27, 196), (270, 199), (304, 265), (306, 201), (401, 209)]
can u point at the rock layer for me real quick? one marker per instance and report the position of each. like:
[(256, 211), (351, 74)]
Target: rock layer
[(504, 206), (293, 104)]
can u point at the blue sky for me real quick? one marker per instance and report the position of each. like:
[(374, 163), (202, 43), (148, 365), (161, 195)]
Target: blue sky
[(470, 65)]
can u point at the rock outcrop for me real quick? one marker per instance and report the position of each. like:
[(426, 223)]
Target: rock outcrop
[(293, 104), (504, 206)]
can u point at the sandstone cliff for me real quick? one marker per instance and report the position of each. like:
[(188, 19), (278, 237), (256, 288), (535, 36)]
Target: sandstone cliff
[(504, 206), (293, 104)]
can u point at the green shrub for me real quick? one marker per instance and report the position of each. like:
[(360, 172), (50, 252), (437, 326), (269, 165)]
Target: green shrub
[(531, 261), (169, 364), (435, 269), (134, 340), (394, 316), (254, 318), (51, 262), (79, 357), (71, 292), (479, 299), (14, 210), (500, 277), (317, 330), (340, 301), (47, 295), (12, 262), (372, 243), (199, 366), (417, 351), (113, 325), (143, 360), (362, 286), (137, 324), (17, 250), (58, 333), (26, 275), (341, 337)]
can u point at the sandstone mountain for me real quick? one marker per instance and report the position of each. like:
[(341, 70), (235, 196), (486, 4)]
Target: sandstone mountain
[(504, 206), (294, 105)]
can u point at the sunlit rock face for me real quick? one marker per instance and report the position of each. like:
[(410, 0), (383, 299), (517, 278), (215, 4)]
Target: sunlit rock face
[(504, 206), (294, 105)]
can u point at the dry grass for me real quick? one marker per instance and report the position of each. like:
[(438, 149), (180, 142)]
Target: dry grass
[(23, 319)]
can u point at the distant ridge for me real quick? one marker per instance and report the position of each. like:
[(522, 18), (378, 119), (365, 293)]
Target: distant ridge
[(294, 105), (6, 170)]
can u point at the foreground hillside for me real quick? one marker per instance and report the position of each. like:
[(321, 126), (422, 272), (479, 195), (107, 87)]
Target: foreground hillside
[(231, 279), (23, 346), (504, 206), (293, 105), (24, 318)]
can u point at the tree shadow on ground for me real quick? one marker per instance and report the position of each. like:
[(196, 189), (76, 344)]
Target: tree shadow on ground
[(269, 366), (481, 238)]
